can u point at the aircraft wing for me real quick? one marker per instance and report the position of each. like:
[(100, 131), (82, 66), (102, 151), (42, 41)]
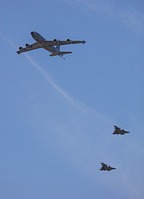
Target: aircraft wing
[(116, 127), (59, 42), (103, 164), (29, 47)]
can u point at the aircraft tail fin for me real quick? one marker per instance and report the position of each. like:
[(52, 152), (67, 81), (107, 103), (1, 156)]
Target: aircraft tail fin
[(58, 48)]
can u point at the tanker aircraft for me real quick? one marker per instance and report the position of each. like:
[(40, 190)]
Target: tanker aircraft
[(52, 46)]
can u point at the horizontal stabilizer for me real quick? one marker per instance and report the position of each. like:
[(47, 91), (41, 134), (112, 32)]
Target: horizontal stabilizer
[(64, 52), (60, 53)]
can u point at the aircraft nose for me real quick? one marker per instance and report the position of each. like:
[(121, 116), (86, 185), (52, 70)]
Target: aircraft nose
[(32, 33)]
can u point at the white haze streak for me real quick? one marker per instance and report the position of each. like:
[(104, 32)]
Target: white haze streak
[(81, 106), (48, 78), (76, 103)]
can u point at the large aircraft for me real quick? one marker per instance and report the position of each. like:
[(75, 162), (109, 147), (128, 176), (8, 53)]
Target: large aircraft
[(105, 167), (119, 131), (52, 46)]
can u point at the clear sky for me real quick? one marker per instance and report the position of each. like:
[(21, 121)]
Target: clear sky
[(57, 116)]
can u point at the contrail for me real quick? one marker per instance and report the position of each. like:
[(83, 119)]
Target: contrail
[(49, 79), (8, 41), (76, 103)]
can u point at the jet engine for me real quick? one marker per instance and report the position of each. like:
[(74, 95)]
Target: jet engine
[(55, 40), (20, 48), (68, 41), (27, 45)]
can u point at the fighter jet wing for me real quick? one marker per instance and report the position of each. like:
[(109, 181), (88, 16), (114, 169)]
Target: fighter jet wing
[(103, 164), (29, 47), (116, 127), (59, 42)]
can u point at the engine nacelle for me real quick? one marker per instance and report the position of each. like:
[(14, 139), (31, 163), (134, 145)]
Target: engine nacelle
[(55, 40), (27, 45), (20, 48), (68, 41)]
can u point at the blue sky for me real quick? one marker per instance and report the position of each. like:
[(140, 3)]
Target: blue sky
[(57, 115)]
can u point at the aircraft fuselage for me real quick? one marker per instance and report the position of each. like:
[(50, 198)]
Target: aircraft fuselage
[(36, 36)]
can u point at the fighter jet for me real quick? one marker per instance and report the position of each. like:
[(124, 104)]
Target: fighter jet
[(105, 167), (53, 46), (119, 131)]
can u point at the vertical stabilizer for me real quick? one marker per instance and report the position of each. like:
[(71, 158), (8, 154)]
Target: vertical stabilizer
[(58, 48)]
